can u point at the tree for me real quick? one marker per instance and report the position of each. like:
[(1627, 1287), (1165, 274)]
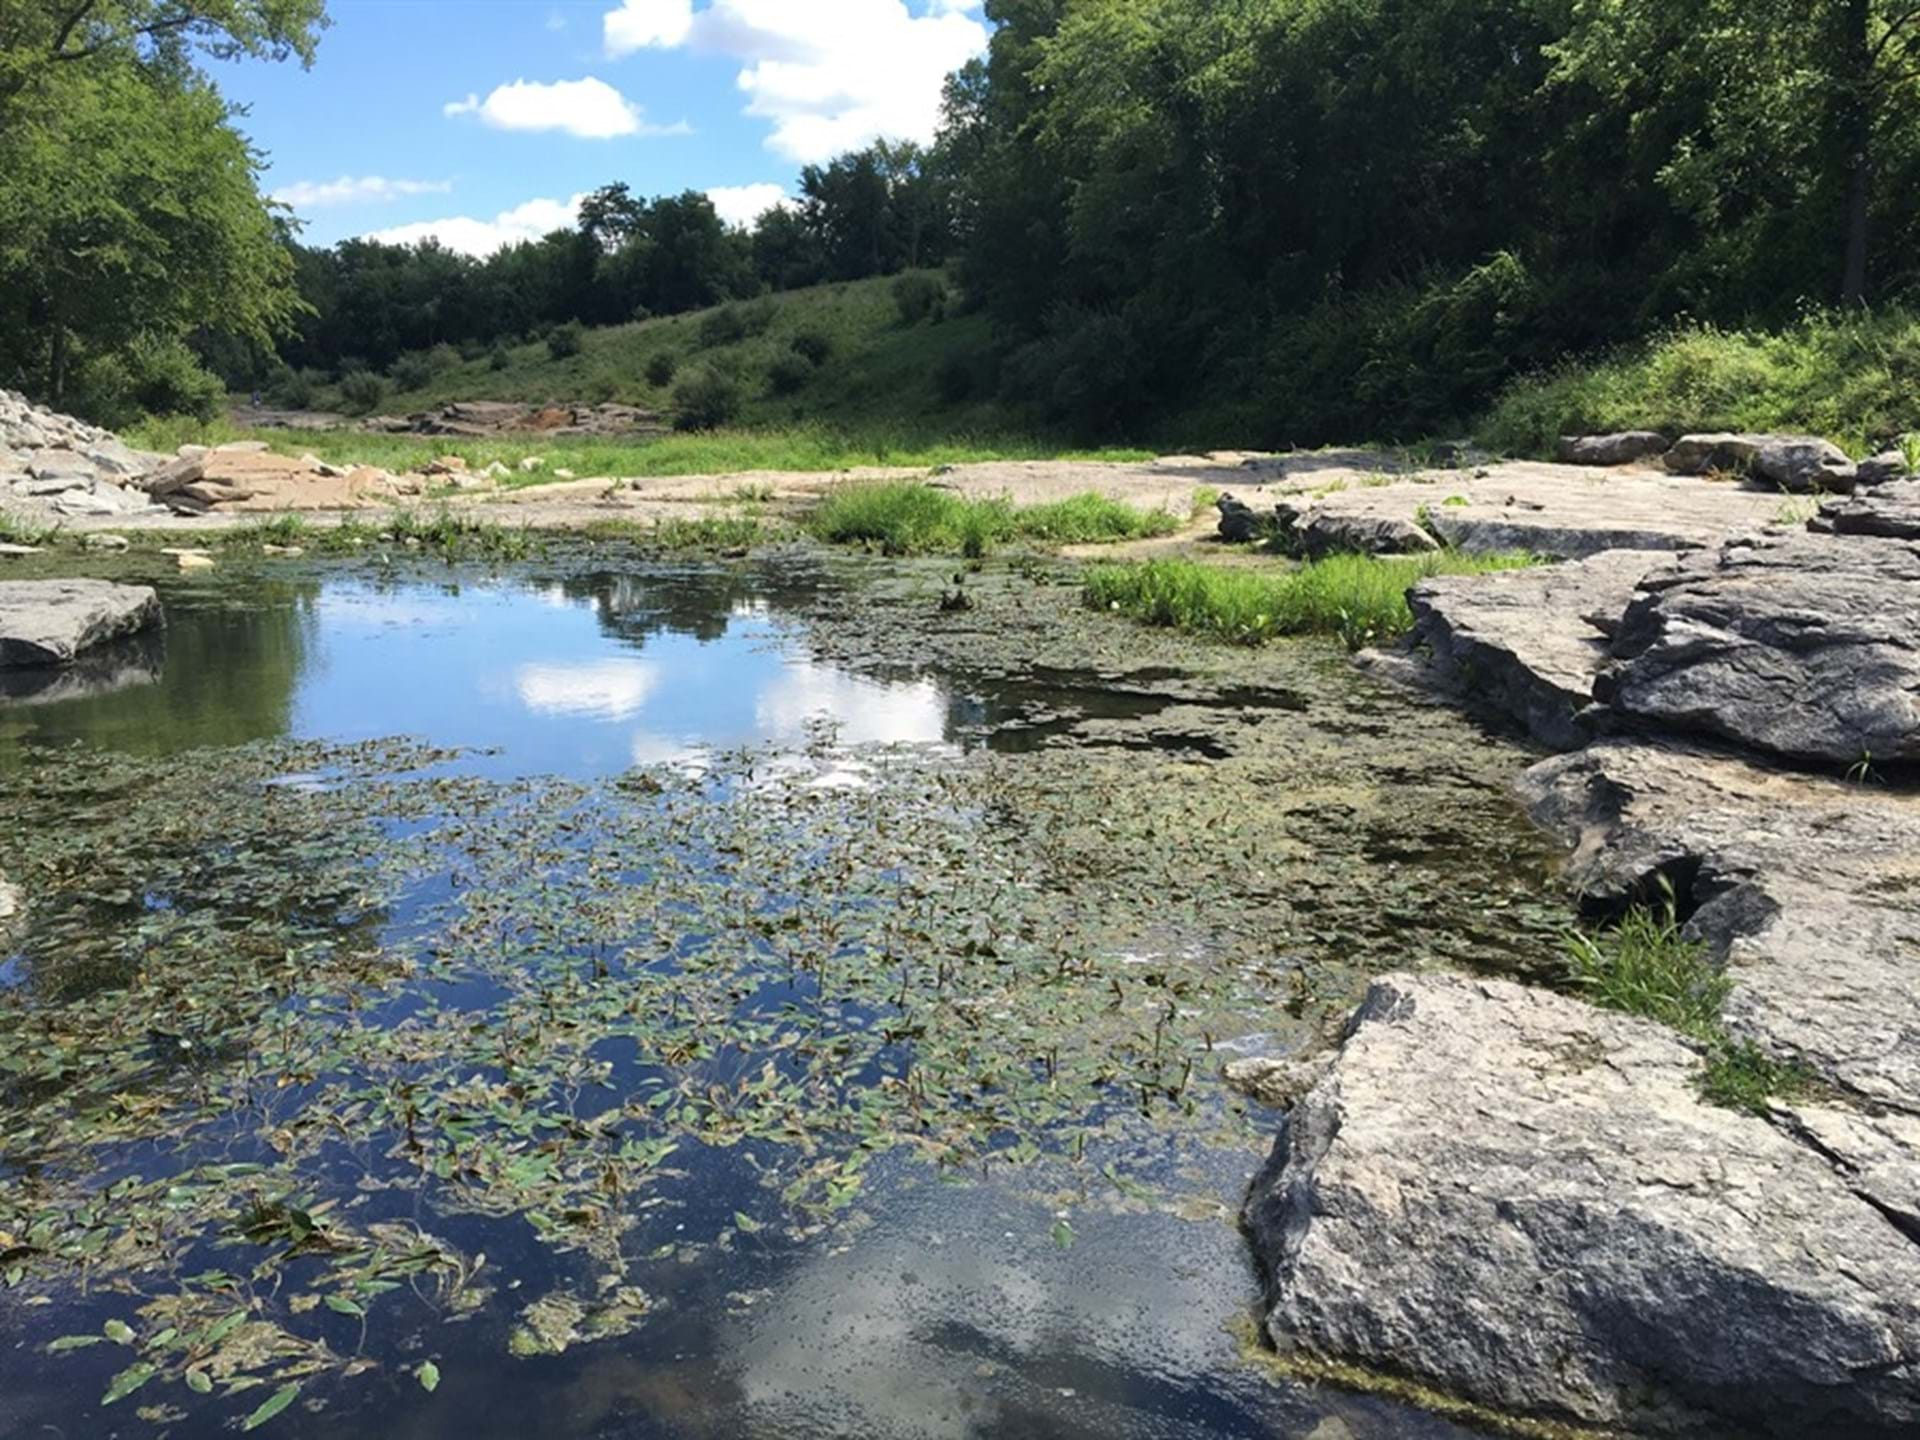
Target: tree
[(38, 35)]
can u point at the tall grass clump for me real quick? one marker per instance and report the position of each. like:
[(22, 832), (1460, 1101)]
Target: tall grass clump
[(1360, 598), (907, 518), (1852, 376)]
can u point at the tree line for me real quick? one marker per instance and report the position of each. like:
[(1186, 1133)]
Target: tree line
[(1282, 220)]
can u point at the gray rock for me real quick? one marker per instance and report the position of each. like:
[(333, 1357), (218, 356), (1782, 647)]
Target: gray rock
[(1883, 469), (13, 551), (61, 465), (119, 461), (1804, 465), (40, 489), (1275, 1082), (106, 542), (79, 503), (1518, 1199), (1620, 449), (1804, 646), (1240, 523), (50, 622), (1521, 642), (1322, 532), (1715, 451), (175, 475), (1803, 883), (1891, 510)]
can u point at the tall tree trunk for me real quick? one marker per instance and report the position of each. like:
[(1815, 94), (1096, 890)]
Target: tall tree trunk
[(1856, 138)]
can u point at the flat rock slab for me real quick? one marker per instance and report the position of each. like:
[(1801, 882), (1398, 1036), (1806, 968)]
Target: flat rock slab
[(1802, 645), (1516, 1198), (51, 622), (1890, 511), (1529, 643), (1809, 886), (1567, 512)]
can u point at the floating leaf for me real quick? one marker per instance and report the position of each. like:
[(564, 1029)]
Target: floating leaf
[(199, 1382), (118, 1331), (343, 1306), (1064, 1234), (278, 1401), (429, 1377), (128, 1381), (72, 1342), (748, 1225)]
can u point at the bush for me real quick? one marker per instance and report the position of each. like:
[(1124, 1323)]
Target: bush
[(788, 375), (362, 393), (661, 369), (292, 390), (918, 295), (443, 357), (705, 400), (1089, 373), (499, 358), (164, 377), (812, 346), (411, 372), (731, 324), (566, 341), (954, 378), (471, 350)]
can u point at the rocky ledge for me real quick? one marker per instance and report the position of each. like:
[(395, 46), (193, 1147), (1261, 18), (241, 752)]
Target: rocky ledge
[(52, 622), (1518, 1198)]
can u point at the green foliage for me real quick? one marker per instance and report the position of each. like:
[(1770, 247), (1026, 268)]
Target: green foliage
[(788, 375), (361, 393), (1360, 598), (566, 341), (661, 369), (499, 358), (410, 372), (705, 400), (1854, 376), (1646, 966), (905, 518), (813, 346), (152, 375), (293, 390), (917, 295)]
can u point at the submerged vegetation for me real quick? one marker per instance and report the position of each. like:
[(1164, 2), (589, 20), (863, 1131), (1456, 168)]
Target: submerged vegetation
[(917, 519), (1361, 599), (1647, 965)]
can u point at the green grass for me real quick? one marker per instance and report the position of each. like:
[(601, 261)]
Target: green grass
[(438, 532), (16, 531), (914, 519), (1647, 966), (1360, 598), (1853, 377), (808, 449)]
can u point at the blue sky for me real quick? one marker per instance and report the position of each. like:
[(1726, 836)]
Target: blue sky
[(481, 121)]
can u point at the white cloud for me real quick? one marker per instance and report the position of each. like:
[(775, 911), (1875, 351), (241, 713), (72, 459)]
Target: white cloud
[(830, 75), (744, 204), (593, 690), (472, 236), (355, 189), (588, 109)]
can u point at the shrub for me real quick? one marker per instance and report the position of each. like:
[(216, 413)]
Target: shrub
[(443, 357), (661, 369), (164, 377), (499, 358), (566, 341), (954, 378), (471, 350), (788, 375), (705, 400), (812, 346), (725, 326), (411, 372), (362, 392), (918, 294), (292, 390)]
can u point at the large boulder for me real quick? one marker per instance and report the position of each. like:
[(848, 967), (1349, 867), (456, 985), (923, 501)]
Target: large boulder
[(1805, 646), (1883, 469), (1621, 449), (1805, 465), (50, 622), (1715, 451), (1319, 531), (1240, 523), (1891, 511), (1513, 1197), (1529, 643)]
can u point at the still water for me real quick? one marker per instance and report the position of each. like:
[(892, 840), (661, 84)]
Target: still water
[(689, 1036)]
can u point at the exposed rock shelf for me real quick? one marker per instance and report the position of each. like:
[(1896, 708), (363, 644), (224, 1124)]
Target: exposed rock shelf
[(1521, 1199), (51, 622)]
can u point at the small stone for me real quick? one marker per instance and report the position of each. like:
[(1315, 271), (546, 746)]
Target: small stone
[(194, 562), (106, 542), (563, 475), (287, 552), (10, 549), (176, 552), (532, 465), (242, 447)]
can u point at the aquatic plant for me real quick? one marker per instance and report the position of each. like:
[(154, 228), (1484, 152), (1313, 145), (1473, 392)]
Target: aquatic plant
[(909, 518), (1360, 598)]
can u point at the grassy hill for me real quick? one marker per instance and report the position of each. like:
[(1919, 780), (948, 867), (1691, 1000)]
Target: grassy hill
[(866, 368)]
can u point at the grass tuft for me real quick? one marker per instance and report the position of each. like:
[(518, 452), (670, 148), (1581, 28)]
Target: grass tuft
[(909, 518), (1360, 598), (17, 531), (1647, 966)]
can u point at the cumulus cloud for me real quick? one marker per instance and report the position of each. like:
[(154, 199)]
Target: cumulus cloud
[(473, 236), (744, 204), (355, 189), (590, 690), (829, 75), (588, 109)]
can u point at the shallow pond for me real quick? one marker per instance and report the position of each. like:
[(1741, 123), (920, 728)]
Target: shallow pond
[(619, 998)]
